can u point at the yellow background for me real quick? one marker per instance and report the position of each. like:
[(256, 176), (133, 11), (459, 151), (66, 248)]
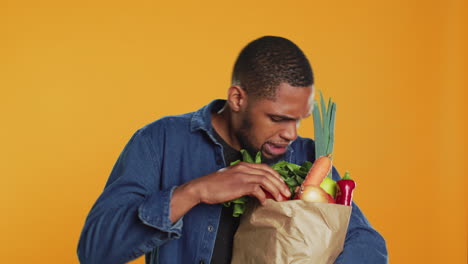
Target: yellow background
[(78, 78)]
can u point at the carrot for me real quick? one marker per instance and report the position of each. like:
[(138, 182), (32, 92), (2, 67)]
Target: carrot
[(318, 171)]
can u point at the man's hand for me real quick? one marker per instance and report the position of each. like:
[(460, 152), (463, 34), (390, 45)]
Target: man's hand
[(227, 184), (238, 180)]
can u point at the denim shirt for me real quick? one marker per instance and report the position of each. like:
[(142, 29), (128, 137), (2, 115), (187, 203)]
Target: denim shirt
[(132, 215)]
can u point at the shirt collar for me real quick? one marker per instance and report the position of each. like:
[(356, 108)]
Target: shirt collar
[(201, 119)]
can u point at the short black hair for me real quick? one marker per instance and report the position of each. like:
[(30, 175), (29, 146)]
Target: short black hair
[(269, 61)]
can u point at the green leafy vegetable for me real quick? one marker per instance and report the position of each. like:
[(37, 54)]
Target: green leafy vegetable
[(246, 156), (258, 158), (235, 162), (292, 174), (238, 205)]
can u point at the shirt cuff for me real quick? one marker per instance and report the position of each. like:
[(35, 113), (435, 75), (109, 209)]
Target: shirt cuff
[(155, 211)]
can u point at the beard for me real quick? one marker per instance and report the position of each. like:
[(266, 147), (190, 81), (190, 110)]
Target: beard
[(245, 141)]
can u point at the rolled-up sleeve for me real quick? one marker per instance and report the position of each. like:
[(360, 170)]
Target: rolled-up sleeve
[(155, 211), (132, 215)]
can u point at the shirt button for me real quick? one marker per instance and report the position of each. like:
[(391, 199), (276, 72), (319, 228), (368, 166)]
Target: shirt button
[(210, 229)]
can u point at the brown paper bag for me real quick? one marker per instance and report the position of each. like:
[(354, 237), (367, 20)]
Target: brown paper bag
[(291, 232)]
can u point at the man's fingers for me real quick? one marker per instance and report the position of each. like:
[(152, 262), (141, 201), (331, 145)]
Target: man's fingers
[(258, 193), (278, 183), (266, 174), (273, 187), (245, 175), (265, 168)]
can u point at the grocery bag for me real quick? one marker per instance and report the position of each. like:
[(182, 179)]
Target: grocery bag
[(289, 232)]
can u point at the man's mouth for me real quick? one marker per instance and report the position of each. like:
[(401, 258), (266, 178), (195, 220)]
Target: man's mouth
[(274, 149)]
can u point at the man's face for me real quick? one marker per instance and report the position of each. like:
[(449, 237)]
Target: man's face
[(270, 126)]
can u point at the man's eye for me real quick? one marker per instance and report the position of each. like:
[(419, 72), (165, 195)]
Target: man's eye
[(276, 119)]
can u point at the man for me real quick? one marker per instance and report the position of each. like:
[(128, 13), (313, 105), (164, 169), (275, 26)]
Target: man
[(165, 193)]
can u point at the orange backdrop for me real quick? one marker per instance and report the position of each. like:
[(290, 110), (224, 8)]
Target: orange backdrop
[(78, 78)]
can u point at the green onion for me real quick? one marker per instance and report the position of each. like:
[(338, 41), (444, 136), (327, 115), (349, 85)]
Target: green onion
[(324, 127)]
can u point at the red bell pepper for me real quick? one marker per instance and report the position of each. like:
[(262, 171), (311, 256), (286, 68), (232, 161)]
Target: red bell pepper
[(344, 190)]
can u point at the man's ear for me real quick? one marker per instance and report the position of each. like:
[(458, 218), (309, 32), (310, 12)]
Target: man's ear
[(237, 98)]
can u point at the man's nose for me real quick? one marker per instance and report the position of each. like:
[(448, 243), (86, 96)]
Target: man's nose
[(289, 133)]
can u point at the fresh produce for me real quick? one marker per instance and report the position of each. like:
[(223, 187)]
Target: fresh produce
[(344, 193), (329, 186), (324, 128), (311, 190), (312, 193), (319, 171), (319, 186), (324, 131), (292, 174), (318, 181)]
